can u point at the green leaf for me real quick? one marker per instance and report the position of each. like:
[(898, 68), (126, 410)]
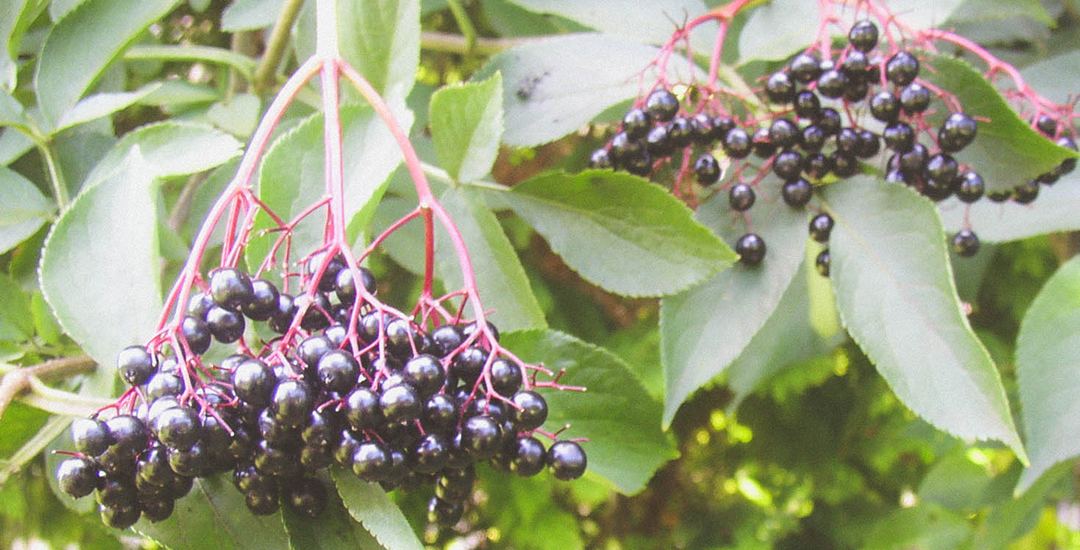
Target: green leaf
[(620, 231), (1055, 210), (526, 512), (102, 105), (245, 15), (100, 270), (333, 529), (640, 20), (191, 53), (926, 527), (466, 122), (170, 149), (369, 504), (707, 327), (1029, 153), (997, 11), (23, 209), (173, 93), (45, 325), (403, 243), (1018, 515), (898, 301), (238, 115), (17, 322), (1054, 78), (379, 38), (956, 483), (11, 111), (1048, 371), (60, 8), (500, 278), (622, 423), (213, 516), (552, 87), (83, 43)]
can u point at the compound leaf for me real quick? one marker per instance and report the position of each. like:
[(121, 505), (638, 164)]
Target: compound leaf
[(101, 105), (369, 504), (466, 123), (632, 19), (170, 149), (620, 231), (333, 529), (23, 209), (896, 295), (1055, 210)]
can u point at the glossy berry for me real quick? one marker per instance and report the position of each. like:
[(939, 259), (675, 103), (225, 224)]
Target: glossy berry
[(636, 123), (658, 142), (312, 349), (763, 146), (1046, 124), (129, 434), (315, 310), (942, 167), (225, 325), (741, 197), (254, 382), (820, 227), (78, 476), (178, 427), (913, 162), (531, 410), (787, 165), (444, 514), (821, 263), (345, 286), (164, 383), (816, 166), (797, 193), (867, 145), (529, 456), (198, 304), (600, 159), (425, 374), (136, 365), (804, 68), (291, 401), (371, 461), (566, 460), (90, 436), (847, 140), (262, 503), (965, 243), (1026, 192), (813, 138), (706, 169), (737, 144), (829, 121), (429, 455), (721, 126), (282, 316), (751, 249), (307, 496), (884, 106), (264, 300), (971, 187), (197, 334), (855, 66), (843, 164), (120, 517), (662, 105), (469, 364), (400, 404), (832, 83), (783, 133), (863, 35), (338, 370), (481, 436), (440, 413), (902, 68), (230, 288), (957, 132), (446, 339), (807, 105), (779, 88), (506, 376), (679, 132), (914, 98), (701, 129), (899, 137)]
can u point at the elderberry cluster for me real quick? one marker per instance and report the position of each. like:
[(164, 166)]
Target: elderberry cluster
[(816, 132), (390, 402)]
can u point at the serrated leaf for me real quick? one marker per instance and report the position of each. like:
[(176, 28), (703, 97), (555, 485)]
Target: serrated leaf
[(466, 123), (620, 231), (622, 423), (333, 529), (955, 483), (100, 269), (245, 15), (1006, 151), (552, 87), (213, 516), (707, 327), (369, 504), (1055, 210), (1048, 371), (83, 43), (102, 105), (500, 278), (170, 149), (898, 301), (379, 38), (1054, 78), (23, 209)]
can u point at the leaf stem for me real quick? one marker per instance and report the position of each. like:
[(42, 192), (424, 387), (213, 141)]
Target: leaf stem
[(15, 382), (464, 23), (275, 48), (220, 56), (56, 176), (54, 427), (453, 43)]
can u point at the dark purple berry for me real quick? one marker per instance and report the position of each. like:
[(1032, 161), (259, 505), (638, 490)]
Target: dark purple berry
[(706, 169), (600, 159), (566, 460), (751, 249), (737, 143), (254, 382), (636, 123), (779, 88), (821, 263), (965, 243), (136, 365), (741, 197), (902, 68), (957, 132), (78, 476), (914, 98), (820, 227), (662, 105), (230, 288), (863, 35), (804, 68), (884, 106), (797, 193), (832, 83), (225, 325)]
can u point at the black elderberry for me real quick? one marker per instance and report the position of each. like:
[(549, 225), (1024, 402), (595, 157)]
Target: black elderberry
[(230, 288), (829, 121), (400, 337), (763, 146), (741, 197), (854, 66), (600, 159), (529, 456), (807, 104), (566, 460), (261, 503), (198, 304), (254, 382), (274, 461), (440, 413), (843, 164), (797, 193), (914, 98), (505, 376), (701, 129), (783, 133), (90, 436), (913, 162), (215, 436), (662, 105), (425, 374), (899, 137), (120, 517), (291, 401), (804, 68), (136, 365), (1026, 192), (942, 167), (307, 496), (831, 83), (345, 286), (884, 106), (937, 190), (779, 88), (721, 126), (965, 243), (164, 383), (856, 90), (813, 139), (957, 132), (1069, 164), (225, 325), (820, 227), (338, 370), (444, 514), (868, 144), (400, 403), (639, 165), (312, 349), (821, 263), (329, 274), (787, 165), (446, 339), (178, 427), (530, 411), (159, 406), (429, 455), (78, 476), (315, 308), (283, 315), (679, 132), (128, 433), (1047, 125), (371, 461), (455, 485), (737, 144), (863, 35), (902, 68), (658, 142), (847, 140), (481, 436), (636, 123), (971, 187), (751, 249), (264, 300), (115, 492), (197, 334), (158, 509), (190, 462), (469, 364), (816, 165)]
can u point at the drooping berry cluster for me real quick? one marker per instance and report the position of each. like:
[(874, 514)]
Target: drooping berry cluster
[(815, 130), (338, 380)]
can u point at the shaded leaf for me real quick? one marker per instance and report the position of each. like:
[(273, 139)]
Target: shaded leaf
[(102, 105), (639, 20), (466, 123), (238, 116), (500, 278), (1048, 371), (620, 231), (170, 149), (1055, 210), (707, 327), (83, 43), (369, 504), (955, 483), (1054, 78), (244, 15), (333, 529), (898, 301), (926, 527), (17, 322), (1017, 516), (524, 510), (622, 423), (11, 111), (23, 209)]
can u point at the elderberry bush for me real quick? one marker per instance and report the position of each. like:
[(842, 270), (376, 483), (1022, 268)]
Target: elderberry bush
[(356, 386), (828, 119)]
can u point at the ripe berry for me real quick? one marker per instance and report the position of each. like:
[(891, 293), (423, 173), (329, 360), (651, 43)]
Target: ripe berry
[(425, 374), (751, 249), (136, 365), (129, 434), (529, 456), (899, 137), (455, 485), (816, 166), (291, 401), (230, 288), (662, 105), (254, 382), (158, 509), (658, 143), (262, 503), (600, 159), (345, 286), (763, 146), (913, 162), (779, 88), (636, 123), (312, 349), (854, 66), (787, 165), (1047, 125), (701, 129), (783, 133), (829, 121), (78, 476), (315, 310), (847, 141), (914, 98), (178, 427), (679, 132), (942, 167), (741, 197), (307, 496), (868, 144), (902, 68), (639, 165), (721, 126), (821, 263), (282, 317), (971, 187), (965, 243), (191, 462), (264, 300), (400, 404), (843, 164), (371, 461), (400, 337), (957, 132), (820, 227), (531, 411), (196, 333), (707, 169), (338, 371), (804, 68), (481, 436), (429, 455), (737, 144), (198, 304), (856, 90), (1026, 193), (832, 83), (469, 364), (884, 106), (90, 436), (440, 413), (807, 104), (505, 376), (863, 35), (566, 460), (164, 383), (1069, 164), (444, 514), (225, 325), (813, 138), (120, 517), (797, 193), (937, 190)]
